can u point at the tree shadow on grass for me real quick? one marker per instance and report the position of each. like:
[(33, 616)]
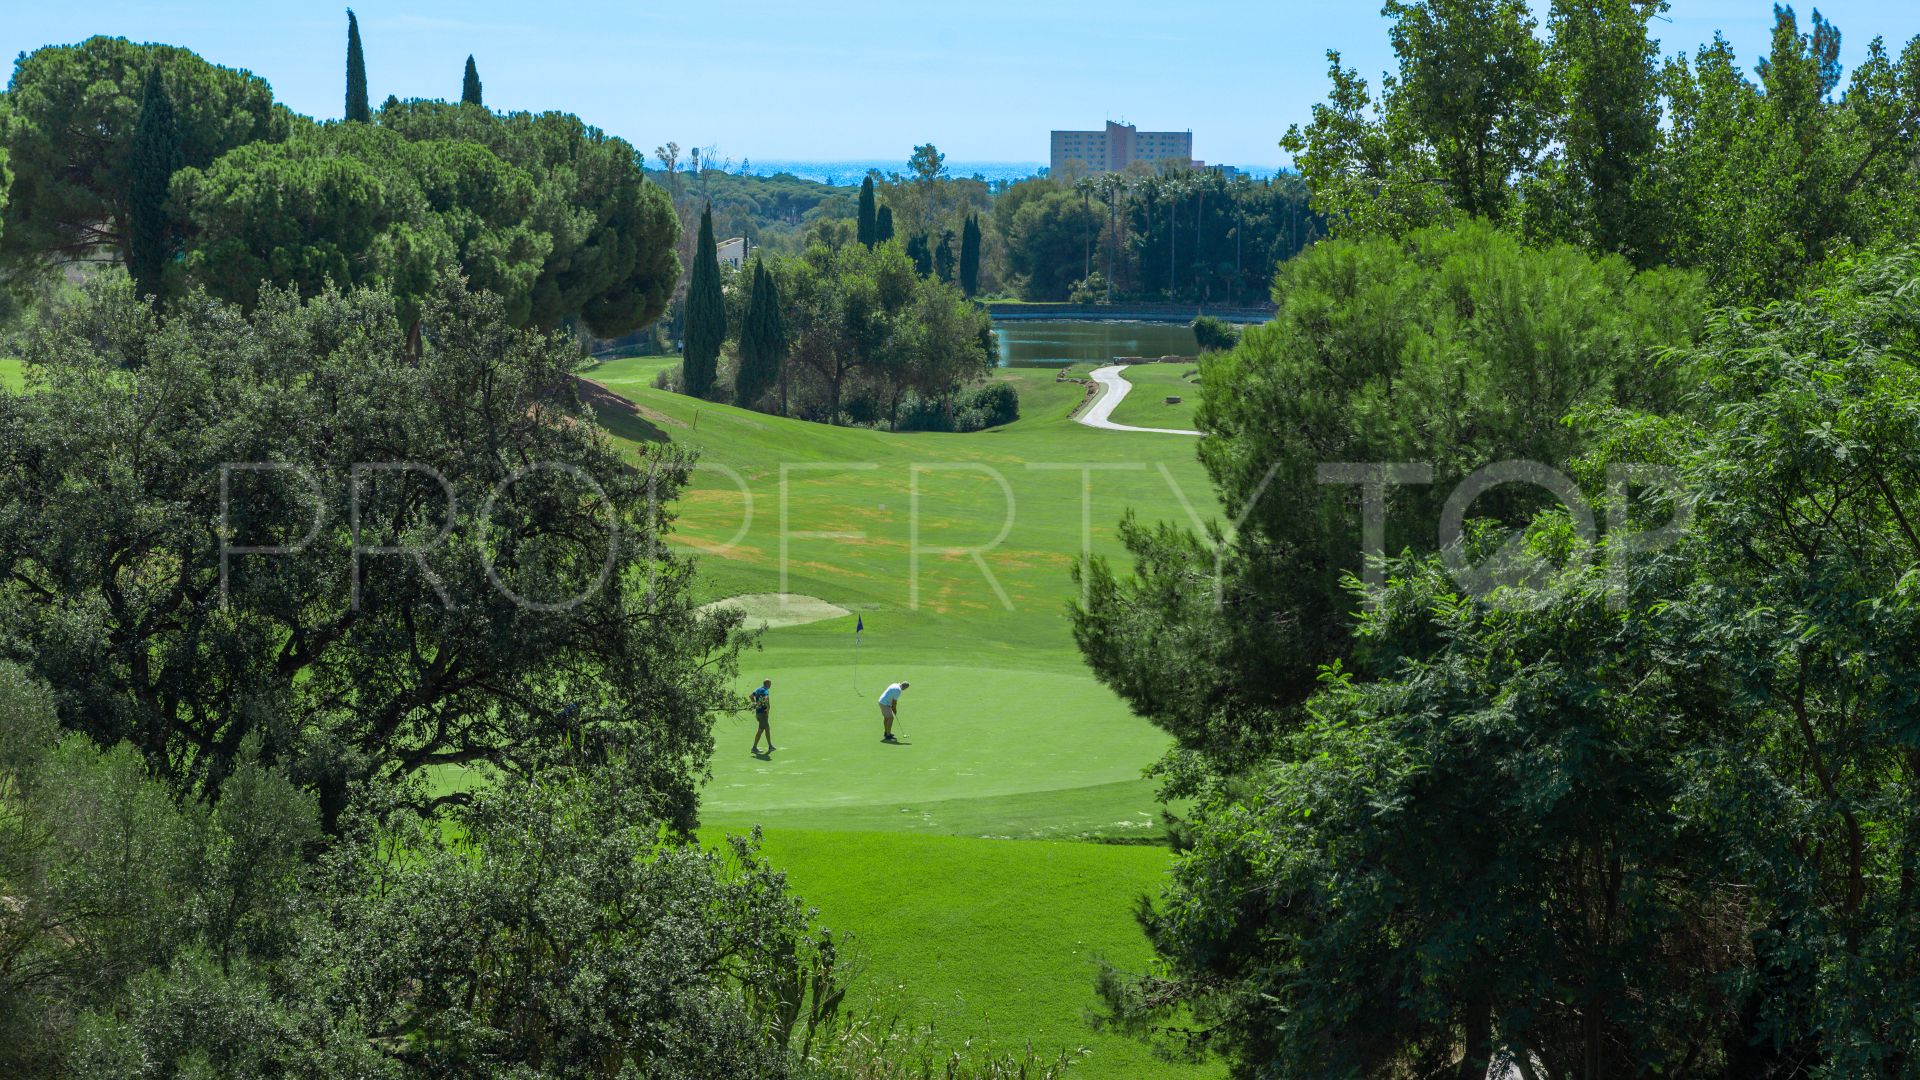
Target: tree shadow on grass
[(617, 414)]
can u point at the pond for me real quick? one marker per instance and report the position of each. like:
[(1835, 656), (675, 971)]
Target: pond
[(1046, 343)]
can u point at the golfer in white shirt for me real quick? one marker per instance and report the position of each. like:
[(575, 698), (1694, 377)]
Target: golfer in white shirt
[(889, 705)]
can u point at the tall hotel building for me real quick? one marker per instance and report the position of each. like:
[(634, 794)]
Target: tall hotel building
[(1090, 152)]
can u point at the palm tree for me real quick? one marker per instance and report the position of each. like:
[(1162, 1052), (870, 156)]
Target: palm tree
[(1176, 186), (1085, 185), (1112, 185)]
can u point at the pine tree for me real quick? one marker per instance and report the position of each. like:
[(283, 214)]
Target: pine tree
[(921, 254), (156, 157), (970, 256), (356, 74), (706, 313), (470, 84), (763, 340), (868, 233), (883, 225)]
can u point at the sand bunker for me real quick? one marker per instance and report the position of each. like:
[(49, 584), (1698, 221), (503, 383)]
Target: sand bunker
[(773, 610)]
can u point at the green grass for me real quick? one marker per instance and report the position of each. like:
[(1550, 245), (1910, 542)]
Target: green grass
[(11, 376), (1145, 405), (1002, 704), (991, 940), (855, 481), (1006, 733), (970, 740)]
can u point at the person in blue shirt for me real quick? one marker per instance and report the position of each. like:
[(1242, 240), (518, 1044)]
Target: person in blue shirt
[(762, 701)]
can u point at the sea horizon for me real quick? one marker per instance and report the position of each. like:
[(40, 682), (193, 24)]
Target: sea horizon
[(849, 172)]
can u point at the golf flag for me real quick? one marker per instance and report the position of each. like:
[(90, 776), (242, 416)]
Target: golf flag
[(859, 624)]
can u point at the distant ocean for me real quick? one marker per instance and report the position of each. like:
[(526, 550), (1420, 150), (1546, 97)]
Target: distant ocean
[(849, 173)]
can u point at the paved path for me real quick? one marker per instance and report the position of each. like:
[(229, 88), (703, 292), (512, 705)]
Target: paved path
[(1113, 389)]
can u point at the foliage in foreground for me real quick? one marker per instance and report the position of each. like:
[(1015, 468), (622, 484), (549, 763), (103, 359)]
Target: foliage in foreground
[(1587, 137), (1654, 813), (469, 574), (544, 930), (1451, 349)]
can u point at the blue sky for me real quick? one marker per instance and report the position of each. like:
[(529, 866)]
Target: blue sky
[(855, 79)]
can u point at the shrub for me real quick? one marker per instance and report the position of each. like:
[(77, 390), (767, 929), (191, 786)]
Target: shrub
[(918, 413), (1091, 289), (1215, 335), (985, 406)]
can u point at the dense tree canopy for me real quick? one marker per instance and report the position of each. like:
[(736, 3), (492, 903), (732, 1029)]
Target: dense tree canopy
[(1583, 139), (554, 215), (1449, 349), (866, 321), (538, 611), (1636, 802), (1179, 234), (355, 204), (610, 261), (1051, 243), (1650, 813), (70, 122)]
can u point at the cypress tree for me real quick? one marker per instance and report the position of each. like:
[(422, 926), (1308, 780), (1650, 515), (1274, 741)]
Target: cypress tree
[(357, 108), (868, 232), (706, 313), (763, 340), (470, 84), (156, 157), (921, 254), (970, 256), (943, 257), (883, 225)]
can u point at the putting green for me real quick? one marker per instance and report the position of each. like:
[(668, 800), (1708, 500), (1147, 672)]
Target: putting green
[(964, 735), (1146, 404), (11, 375)]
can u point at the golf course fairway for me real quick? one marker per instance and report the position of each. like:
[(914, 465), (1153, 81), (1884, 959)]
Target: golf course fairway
[(943, 854)]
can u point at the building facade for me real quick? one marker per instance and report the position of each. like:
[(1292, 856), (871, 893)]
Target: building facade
[(1116, 147)]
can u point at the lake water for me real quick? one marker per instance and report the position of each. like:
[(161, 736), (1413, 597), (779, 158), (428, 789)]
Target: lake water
[(1037, 343)]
